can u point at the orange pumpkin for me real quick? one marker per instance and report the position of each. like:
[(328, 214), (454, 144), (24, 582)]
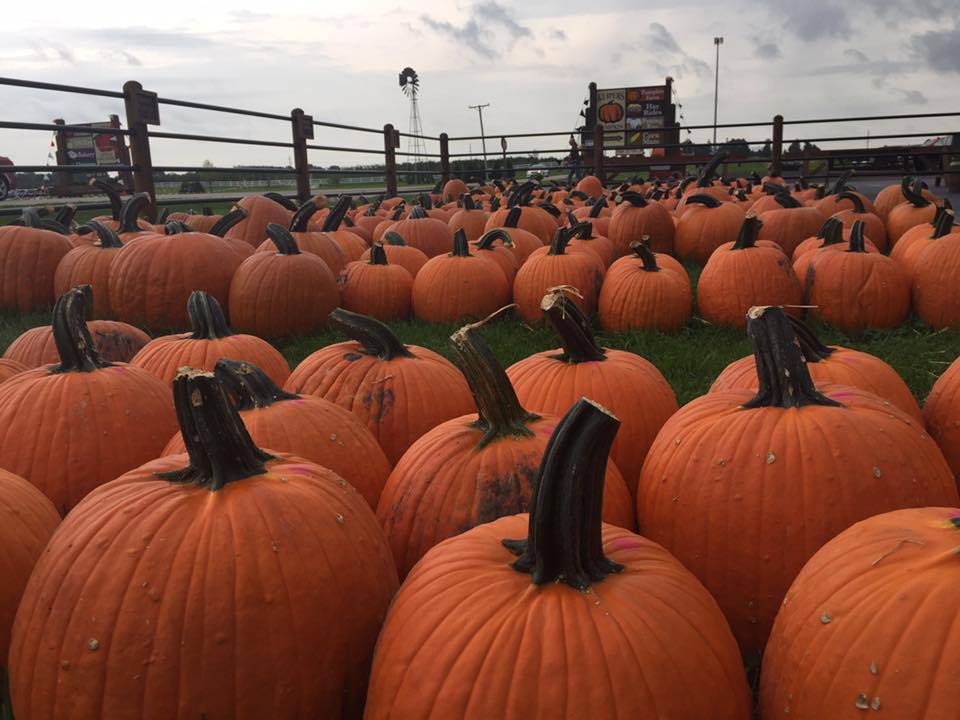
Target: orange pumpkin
[(90, 265), (634, 218), (918, 238), (525, 243), (646, 290), (873, 226), (941, 412), (705, 224), (261, 210), (470, 218), (917, 209), (29, 257), (310, 241), (375, 287), (399, 253), (935, 272), (611, 112)]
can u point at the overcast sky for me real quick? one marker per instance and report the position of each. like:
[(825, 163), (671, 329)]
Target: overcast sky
[(531, 61)]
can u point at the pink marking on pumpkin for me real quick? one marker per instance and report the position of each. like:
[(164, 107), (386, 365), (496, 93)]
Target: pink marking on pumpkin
[(625, 543)]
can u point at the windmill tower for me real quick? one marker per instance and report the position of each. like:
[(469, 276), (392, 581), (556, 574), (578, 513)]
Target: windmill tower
[(410, 85)]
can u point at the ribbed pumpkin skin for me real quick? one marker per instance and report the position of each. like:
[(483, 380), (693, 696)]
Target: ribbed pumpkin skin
[(381, 291), (482, 642), (318, 431), (632, 299), (9, 368), (541, 272), (871, 623), (941, 412), (934, 283), (532, 219), (314, 243), (453, 188), (450, 287), (398, 400), (261, 211), (874, 227), (743, 498), (409, 258), (29, 258), (472, 222), (27, 520), (629, 386), (445, 484), (843, 367), (801, 265), (162, 357), (87, 265), (429, 235), (254, 601), (273, 295), (733, 281), (788, 227), (591, 185), (701, 230), (912, 244), (629, 224), (200, 223), (114, 341), (69, 432), (152, 278), (905, 216)]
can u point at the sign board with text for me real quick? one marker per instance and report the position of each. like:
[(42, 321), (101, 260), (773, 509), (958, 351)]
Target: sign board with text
[(90, 149), (632, 117)]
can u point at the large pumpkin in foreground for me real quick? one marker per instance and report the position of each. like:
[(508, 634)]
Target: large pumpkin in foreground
[(744, 488), (869, 628), (591, 621), (227, 583)]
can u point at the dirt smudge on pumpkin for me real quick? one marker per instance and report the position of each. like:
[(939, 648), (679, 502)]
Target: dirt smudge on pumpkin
[(381, 397), (507, 495), (352, 357)]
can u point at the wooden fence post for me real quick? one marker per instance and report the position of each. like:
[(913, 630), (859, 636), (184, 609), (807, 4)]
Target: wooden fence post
[(302, 126), (390, 142), (598, 152), (142, 110), (444, 158), (776, 147)]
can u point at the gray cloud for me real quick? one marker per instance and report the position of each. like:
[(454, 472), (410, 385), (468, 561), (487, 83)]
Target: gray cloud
[(812, 19), (146, 37), (558, 35), (670, 58), (495, 13), (469, 34), (855, 54), (660, 40), (939, 49), (476, 33), (767, 51)]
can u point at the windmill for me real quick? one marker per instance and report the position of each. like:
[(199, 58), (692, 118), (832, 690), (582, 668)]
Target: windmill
[(410, 85)]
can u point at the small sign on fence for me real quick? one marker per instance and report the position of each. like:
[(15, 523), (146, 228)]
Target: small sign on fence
[(148, 107)]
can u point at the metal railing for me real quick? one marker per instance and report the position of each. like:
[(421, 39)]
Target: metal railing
[(141, 109)]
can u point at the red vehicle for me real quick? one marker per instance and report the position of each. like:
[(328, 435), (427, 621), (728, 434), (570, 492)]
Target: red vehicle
[(8, 180)]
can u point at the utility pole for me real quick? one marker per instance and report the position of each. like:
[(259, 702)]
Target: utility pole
[(718, 41), (483, 139)]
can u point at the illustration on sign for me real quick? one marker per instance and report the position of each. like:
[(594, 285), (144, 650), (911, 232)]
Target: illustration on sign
[(632, 111), (610, 115), (88, 149)]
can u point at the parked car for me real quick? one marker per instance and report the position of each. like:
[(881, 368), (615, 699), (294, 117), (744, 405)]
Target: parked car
[(537, 171), (8, 181)]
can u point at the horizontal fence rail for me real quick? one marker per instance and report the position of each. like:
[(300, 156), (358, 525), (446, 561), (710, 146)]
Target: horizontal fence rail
[(138, 173)]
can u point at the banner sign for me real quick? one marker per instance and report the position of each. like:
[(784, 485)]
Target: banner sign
[(632, 117)]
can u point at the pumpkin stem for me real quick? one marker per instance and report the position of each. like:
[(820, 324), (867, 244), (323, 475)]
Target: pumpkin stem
[(858, 207), (281, 200), (703, 199), (513, 218), (176, 227), (250, 387), (521, 194), (499, 410), (206, 317), (857, 238), (397, 212), (113, 195), (65, 214), (218, 444), (488, 238), (914, 193), (943, 225), (774, 188), (576, 336), (418, 213), (130, 213), (164, 216), (597, 208), (813, 350), (378, 256), (461, 248), (374, 206), (784, 379), (705, 179), (841, 184), (426, 201), (376, 338), (71, 335), (564, 542), (561, 238), (786, 200), (634, 198), (222, 226), (282, 238), (108, 238), (300, 219), (394, 238), (832, 232), (205, 210), (468, 203), (337, 214), (747, 238), (643, 251), (681, 188)]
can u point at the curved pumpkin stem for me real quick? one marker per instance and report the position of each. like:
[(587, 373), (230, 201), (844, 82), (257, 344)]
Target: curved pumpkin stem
[(467, 200), (300, 219), (597, 208), (397, 212), (564, 541), (206, 317), (376, 338), (71, 335), (774, 188), (176, 227), (513, 218), (487, 240), (337, 214), (65, 214), (682, 187), (222, 226), (281, 200), (394, 238), (418, 213), (521, 194), (217, 441), (378, 256), (499, 410), (703, 199), (943, 225), (284, 241), (576, 336), (784, 379), (786, 200), (374, 206), (107, 237), (831, 232), (113, 195), (562, 238), (643, 251), (461, 248), (248, 385), (857, 240), (634, 198), (858, 207), (813, 350), (747, 238), (705, 179), (841, 184), (914, 193), (130, 212), (425, 201), (30, 217)]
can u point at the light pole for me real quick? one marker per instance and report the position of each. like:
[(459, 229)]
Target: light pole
[(483, 139), (718, 41)]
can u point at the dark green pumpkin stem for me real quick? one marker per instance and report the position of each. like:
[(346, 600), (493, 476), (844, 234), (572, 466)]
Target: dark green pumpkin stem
[(705, 179), (562, 238), (301, 218), (394, 238), (499, 410), (682, 187), (495, 203), (107, 237), (634, 198), (513, 218), (841, 184), (786, 200), (65, 214), (426, 201), (783, 376), (378, 256), (249, 386), (643, 251), (281, 200), (376, 338), (576, 336), (813, 350), (461, 247), (749, 231), (176, 227), (597, 208), (205, 210), (222, 226), (374, 206), (418, 213), (943, 225), (775, 188), (71, 335), (487, 240), (30, 217), (332, 222), (831, 232), (284, 241), (914, 193), (206, 317), (564, 541), (398, 212), (113, 195), (858, 207), (220, 448), (521, 194), (468, 203), (857, 239), (133, 207), (703, 199)]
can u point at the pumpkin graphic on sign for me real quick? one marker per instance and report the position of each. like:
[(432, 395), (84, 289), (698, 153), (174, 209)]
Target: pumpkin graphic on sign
[(633, 97), (610, 112)]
